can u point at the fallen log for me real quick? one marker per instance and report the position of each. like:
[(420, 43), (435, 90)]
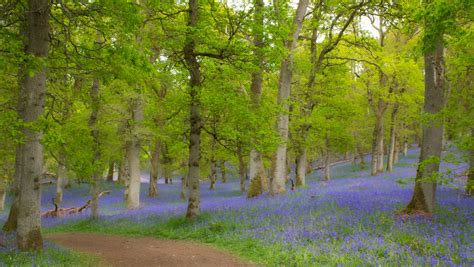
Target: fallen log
[(59, 212)]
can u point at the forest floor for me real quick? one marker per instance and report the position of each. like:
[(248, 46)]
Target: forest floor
[(351, 220), (145, 251)]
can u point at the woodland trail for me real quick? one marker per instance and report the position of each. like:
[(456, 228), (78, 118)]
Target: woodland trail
[(145, 251)]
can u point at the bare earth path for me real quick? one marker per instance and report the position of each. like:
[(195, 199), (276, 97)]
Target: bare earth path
[(146, 251)]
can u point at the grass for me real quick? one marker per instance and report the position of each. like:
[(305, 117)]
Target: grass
[(48, 257)]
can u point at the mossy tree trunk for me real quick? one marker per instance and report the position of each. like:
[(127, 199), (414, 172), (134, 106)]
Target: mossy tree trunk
[(32, 94), (195, 80), (424, 195)]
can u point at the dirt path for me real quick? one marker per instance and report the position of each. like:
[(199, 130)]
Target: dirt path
[(146, 251)]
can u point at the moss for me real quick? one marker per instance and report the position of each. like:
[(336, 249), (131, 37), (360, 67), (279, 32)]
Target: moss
[(255, 187)]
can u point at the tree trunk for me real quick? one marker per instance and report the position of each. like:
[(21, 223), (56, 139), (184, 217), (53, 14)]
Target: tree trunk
[(393, 144), (33, 93), (110, 173), (12, 220), (123, 175), (327, 161), (213, 175), (361, 156), (193, 66), (255, 164), (223, 172), (155, 164), (61, 181), (284, 88), (377, 145), (405, 148), (423, 199), (301, 167), (3, 194), (259, 183), (470, 175), (242, 170), (133, 155), (184, 186), (396, 151), (96, 176)]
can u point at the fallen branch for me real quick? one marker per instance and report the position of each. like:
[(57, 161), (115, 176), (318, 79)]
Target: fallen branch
[(59, 212)]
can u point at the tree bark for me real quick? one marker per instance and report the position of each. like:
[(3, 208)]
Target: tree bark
[(259, 183), (242, 169), (470, 175), (327, 161), (155, 164), (396, 151), (133, 155), (12, 220), (110, 173), (284, 88), (377, 145), (223, 172), (213, 175), (405, 148), (96, 179), (3, 194), (255, 163), (392, 145), (184, 186), (61, 181), (123, 174), (423, 199), (301, 167), (195, 80), (33, 93)]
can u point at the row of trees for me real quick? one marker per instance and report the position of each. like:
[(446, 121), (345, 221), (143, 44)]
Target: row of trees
[(117, 85)]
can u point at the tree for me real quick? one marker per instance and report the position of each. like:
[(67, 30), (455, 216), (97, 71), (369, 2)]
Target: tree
[(423, 199), (31, 103), (284, 89)]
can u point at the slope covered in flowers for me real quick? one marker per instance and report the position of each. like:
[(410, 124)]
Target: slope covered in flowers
[(351, 220)]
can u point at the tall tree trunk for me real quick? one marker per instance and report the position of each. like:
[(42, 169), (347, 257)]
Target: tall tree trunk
[(223, 172), (12, 220), (301, 167), (110, 172), (284, 88), (255, 163), (33, 93), (405, 148), (61, 177), (242, 169), (155, 164), (470, 175), (133, 155), (393, 144), (213, 175), (396, 151), (423, 199), (327, 161), (194, 197), (377, 145), (97, 175), (3, 194)]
